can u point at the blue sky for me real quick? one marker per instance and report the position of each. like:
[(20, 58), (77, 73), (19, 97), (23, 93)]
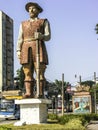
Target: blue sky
[(73, 48)]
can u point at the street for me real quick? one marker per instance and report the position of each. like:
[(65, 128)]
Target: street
[(92, 127), (3, 121)]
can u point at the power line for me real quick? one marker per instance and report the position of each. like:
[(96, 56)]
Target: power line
[(82, 79)]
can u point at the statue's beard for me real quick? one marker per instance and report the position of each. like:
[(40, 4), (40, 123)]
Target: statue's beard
[(32, 15)]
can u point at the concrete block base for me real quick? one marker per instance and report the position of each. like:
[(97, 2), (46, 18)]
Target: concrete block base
[(33, 111)]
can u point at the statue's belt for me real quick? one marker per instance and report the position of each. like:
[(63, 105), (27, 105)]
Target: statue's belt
[(29, 39)]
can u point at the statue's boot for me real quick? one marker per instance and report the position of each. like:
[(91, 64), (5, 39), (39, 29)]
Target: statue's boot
[(29, 90), (41, 89)]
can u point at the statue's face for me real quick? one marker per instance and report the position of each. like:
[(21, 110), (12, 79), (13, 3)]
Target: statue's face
[(33, 11)]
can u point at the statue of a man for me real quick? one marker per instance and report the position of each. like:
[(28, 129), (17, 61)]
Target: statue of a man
[(31, 30)]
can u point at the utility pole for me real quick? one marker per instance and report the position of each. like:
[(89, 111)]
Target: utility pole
[(95, 90), (62, 94), (80, 79)]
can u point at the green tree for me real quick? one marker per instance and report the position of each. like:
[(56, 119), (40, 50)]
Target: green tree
[(51, 88), (96, 28), (21, 76), (88, 83), (58, 84), (55, 88)]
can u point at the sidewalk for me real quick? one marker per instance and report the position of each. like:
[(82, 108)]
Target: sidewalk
[(93, 125)]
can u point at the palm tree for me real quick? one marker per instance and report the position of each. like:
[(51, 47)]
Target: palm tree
[(58, 83)]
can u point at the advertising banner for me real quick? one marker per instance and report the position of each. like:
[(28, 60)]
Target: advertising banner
[(82, 104)]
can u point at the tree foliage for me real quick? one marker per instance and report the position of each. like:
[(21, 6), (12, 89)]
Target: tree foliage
[(58, 84), (88, 83), (21, 76), (96, 28), (55, 88)]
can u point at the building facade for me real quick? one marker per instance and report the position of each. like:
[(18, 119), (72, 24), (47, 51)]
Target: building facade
[(6, 52)]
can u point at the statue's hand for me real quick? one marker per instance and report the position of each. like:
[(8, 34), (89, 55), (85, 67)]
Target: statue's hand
[(38, 35), (18, 54)]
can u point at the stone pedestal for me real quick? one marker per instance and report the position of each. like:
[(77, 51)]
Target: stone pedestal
[(33, 111)]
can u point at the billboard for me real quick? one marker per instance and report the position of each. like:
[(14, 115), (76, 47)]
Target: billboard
[(82, 104)]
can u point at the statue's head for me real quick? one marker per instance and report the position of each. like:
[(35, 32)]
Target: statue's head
[(33, 4)]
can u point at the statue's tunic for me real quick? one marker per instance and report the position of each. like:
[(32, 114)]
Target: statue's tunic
[(29, 27)]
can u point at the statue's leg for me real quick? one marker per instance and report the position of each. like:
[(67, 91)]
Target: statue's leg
[(42, 88), (29, 81), (28, 88), (42, 80)]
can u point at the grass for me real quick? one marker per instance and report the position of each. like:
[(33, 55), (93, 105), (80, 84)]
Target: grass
[(54, 122), (51, 125), (34, 127)]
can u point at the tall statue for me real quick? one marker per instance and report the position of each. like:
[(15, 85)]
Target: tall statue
[(32, 34)]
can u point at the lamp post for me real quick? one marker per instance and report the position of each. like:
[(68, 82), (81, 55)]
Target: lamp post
[(95, 90), (62, 94)]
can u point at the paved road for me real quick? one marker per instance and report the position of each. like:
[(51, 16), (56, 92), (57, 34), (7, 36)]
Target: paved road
[(3, 121), (93, 125)]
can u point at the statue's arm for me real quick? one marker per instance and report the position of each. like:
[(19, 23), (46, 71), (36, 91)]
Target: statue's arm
[(47, 31), (19, 41), (46, 35)]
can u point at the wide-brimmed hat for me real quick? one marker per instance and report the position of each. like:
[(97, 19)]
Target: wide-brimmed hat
[(33, 4)]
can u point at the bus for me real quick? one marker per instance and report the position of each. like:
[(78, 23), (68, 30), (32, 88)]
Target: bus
[(8, 109)]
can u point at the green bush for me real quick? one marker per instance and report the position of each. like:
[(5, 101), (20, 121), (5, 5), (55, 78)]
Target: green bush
[(66, 122), (4, 128), (89, 117), (72, 121), (52, 116), (84, 118), (63, 119), (74, 124)]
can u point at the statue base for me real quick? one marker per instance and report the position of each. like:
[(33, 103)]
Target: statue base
[(32, 111)]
